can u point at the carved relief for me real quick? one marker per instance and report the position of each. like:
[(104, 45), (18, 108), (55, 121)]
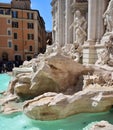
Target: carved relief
[(79, 26), (106, 56), (108, 17)]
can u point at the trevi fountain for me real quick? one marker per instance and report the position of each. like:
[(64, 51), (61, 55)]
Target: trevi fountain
[(61, 83)]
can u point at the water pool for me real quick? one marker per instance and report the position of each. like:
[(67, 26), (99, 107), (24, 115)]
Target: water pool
[(77, 122), (19, 121), (4, 81)]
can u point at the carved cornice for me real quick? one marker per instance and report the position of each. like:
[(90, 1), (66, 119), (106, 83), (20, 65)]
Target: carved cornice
[(82, 6)]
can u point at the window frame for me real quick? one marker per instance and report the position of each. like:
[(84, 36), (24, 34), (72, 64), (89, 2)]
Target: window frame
[(15, 48), (15, 24), (30, 36), (15, 14), (15, 35), (9, 42), (9, 32)]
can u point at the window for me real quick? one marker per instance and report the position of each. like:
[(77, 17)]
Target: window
[(30, 36), (15, 36), (30, 48), (30, 25), (8, 21), (15, 47), (1, 11), (7, 11), (39, 40), (9, 43), (30, 15), (15, 24), (14, 14), (9, 32)]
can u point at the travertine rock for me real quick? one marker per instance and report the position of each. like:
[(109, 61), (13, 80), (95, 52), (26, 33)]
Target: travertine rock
[(106, 56), (102, 125), (50, 106), (17, 71), (57, 74)]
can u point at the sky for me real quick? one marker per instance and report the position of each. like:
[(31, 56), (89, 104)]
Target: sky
[(44, 8)]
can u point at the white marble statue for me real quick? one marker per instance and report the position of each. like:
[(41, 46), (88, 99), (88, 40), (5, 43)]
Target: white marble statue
[(80, 26), (108, 17), (106, 56)]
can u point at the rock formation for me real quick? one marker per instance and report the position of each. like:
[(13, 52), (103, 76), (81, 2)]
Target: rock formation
[(106, 56), (56, 82), (50, 106), (56, 74), (102, 125), (54, 71)]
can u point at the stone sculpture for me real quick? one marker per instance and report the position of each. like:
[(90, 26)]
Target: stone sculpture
[(74, 51), (106, 56), (108, 17), (79, 25)]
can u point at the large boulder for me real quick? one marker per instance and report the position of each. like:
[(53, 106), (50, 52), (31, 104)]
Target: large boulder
[(56, 74), (50, 106), (60, 72)]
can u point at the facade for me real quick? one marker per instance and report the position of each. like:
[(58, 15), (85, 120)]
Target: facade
[(64, 16), (63, 12), (22, 31)]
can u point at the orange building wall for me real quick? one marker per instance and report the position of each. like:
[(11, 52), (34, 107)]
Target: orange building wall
[(22, 32)]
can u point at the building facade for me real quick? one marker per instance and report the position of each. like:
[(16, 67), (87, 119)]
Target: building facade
[(22, 31), (63, 12), (64, 15)]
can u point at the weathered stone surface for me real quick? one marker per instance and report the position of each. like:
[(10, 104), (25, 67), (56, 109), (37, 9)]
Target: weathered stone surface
[(12, 85), (106, 56), (56, 74), (50, 106), (67, 72), (102, 125), (25, 79), (9, 104), (17, 71), (22, 89)]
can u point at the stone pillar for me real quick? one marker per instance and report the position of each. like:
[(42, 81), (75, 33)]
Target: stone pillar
[(60, 23), (68, 22), (89, 47), (102, 4), (92, 20), (96, 9)]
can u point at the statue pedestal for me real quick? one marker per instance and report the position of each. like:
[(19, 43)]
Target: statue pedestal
[(91, 51)]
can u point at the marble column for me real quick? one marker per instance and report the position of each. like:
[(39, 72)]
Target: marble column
[(60, 23), (95, 30), (100, 22), (68, 22), (92, 20)]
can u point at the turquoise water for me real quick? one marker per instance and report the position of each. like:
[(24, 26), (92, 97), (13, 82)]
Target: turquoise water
[(20, 122), (4, 81), (78, 122)]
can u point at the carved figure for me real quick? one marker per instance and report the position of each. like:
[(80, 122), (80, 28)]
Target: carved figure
[(79, 25), (108, 17), (106, 56)]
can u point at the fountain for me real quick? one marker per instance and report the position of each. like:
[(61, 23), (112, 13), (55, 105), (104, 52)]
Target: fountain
[(56, 84), (55, 91)]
